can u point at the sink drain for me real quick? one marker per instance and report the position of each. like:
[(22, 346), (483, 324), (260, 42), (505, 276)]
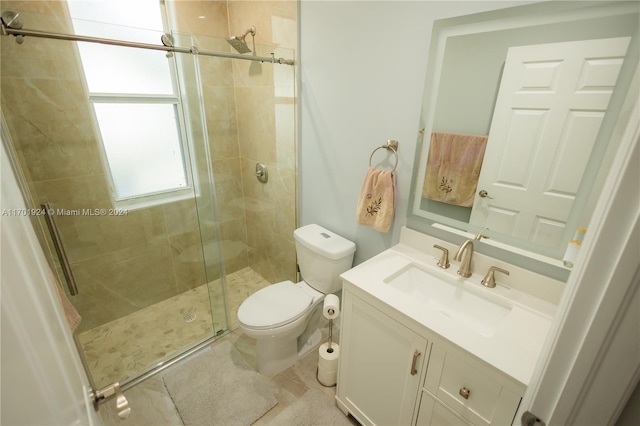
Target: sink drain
[(190, 317)]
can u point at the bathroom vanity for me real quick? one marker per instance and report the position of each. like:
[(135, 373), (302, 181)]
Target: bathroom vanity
[(421, 345)]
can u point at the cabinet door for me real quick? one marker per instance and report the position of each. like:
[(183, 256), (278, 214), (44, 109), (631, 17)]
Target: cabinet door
[(381, 363), (433, 412)]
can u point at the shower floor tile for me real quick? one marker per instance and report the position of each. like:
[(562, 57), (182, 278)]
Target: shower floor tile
[(130, 346)]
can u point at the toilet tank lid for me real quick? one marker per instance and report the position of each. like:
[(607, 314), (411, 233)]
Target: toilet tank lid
[(324, 242)]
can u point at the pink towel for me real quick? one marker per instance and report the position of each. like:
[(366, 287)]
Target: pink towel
[(70, 312), (453, 168), (376, 205)]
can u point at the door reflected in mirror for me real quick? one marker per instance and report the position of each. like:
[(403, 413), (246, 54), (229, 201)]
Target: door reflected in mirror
[(549, 85)]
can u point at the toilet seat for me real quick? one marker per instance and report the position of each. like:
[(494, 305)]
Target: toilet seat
[(274, 306)]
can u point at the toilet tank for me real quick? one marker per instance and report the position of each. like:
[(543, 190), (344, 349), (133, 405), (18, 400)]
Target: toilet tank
[(322, 257)]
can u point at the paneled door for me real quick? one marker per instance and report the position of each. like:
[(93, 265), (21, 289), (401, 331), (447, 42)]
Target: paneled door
[(550, 105)]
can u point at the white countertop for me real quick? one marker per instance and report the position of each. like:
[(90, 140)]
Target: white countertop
[(515, 345)]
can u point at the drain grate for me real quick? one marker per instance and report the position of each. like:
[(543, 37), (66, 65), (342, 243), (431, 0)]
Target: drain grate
[(190, 317)]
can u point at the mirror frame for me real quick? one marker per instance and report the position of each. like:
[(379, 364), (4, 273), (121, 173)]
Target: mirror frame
[(502, 19)]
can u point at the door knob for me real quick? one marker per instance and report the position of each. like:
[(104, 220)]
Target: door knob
[(484, 194)]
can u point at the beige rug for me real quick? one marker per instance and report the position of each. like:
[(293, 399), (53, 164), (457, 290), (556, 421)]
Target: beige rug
[(314, 408), (218, 387)]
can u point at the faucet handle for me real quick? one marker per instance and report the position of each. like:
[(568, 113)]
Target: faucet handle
[(489, 280), (480, 235), (444, 259)]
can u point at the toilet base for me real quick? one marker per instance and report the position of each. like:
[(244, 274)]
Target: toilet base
[(276, 355), (310, 344)]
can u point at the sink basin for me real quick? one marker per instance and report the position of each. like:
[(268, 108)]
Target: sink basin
[(468, 308)]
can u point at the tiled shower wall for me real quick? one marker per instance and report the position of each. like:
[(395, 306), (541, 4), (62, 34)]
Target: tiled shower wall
[(125, 263), (250, 114)]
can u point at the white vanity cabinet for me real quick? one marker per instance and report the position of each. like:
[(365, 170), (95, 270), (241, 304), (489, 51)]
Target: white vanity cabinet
[(381, 365), (395, 372)]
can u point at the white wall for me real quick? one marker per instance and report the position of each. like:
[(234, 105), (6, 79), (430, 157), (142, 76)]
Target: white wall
[(362, 67)]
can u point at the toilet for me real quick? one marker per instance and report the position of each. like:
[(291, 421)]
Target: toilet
[(284, 318)]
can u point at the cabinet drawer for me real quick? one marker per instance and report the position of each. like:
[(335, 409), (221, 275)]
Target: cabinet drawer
[(491, 397), (433, 412)]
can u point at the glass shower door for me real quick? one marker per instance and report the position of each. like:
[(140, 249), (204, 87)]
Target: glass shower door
[(245, 110), (141, 270)]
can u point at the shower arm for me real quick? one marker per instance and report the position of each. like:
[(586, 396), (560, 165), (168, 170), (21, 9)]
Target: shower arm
[(19, 33), (251, 31)]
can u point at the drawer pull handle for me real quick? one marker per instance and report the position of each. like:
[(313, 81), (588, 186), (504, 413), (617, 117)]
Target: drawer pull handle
[(416, 354), (464, 392)]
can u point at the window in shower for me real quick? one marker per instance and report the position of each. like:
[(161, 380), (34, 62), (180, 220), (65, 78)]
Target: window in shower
[(135, 102)]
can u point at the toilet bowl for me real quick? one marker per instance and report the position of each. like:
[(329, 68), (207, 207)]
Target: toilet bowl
[(284, 318)]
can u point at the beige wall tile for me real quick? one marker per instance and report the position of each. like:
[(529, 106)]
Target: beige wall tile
[(252, 73), (256, 123), (51, 7), (88, 236), (229, 189), (187, 255), (235, 231), (53, 128), (271, 256), (272, 204), (105, 290), (285, 128), (268, 17), (202, 17), (180, 216), (222, 125)]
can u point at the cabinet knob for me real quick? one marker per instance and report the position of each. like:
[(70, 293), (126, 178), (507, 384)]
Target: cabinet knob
[(464, 392)]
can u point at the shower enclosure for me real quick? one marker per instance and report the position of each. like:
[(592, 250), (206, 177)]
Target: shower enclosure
[(156, 275)]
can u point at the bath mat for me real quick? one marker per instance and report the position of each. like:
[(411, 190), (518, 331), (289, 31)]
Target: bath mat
[(313, 408), (218, 387)]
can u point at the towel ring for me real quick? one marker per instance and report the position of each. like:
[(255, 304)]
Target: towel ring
[(391, 145)]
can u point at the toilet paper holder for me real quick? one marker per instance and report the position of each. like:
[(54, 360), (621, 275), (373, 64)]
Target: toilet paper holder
[(327, 370), (330, 311), (330, 349)]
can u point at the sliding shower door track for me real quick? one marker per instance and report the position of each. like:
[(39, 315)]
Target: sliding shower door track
[(12, 25), (166, 364)]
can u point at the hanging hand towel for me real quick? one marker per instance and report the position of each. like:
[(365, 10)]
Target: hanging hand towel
[(453, 168), (70, 312), (376, 205)]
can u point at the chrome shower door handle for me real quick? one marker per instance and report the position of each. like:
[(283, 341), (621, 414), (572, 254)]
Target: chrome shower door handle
[(59, 248)]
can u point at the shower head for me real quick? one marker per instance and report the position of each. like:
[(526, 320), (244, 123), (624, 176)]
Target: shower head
[(239, 43)]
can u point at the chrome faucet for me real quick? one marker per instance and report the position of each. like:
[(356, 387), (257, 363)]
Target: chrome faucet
[(465, 266)]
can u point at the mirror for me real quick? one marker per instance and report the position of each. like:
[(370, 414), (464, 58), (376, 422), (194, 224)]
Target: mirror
[(480, 69)]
